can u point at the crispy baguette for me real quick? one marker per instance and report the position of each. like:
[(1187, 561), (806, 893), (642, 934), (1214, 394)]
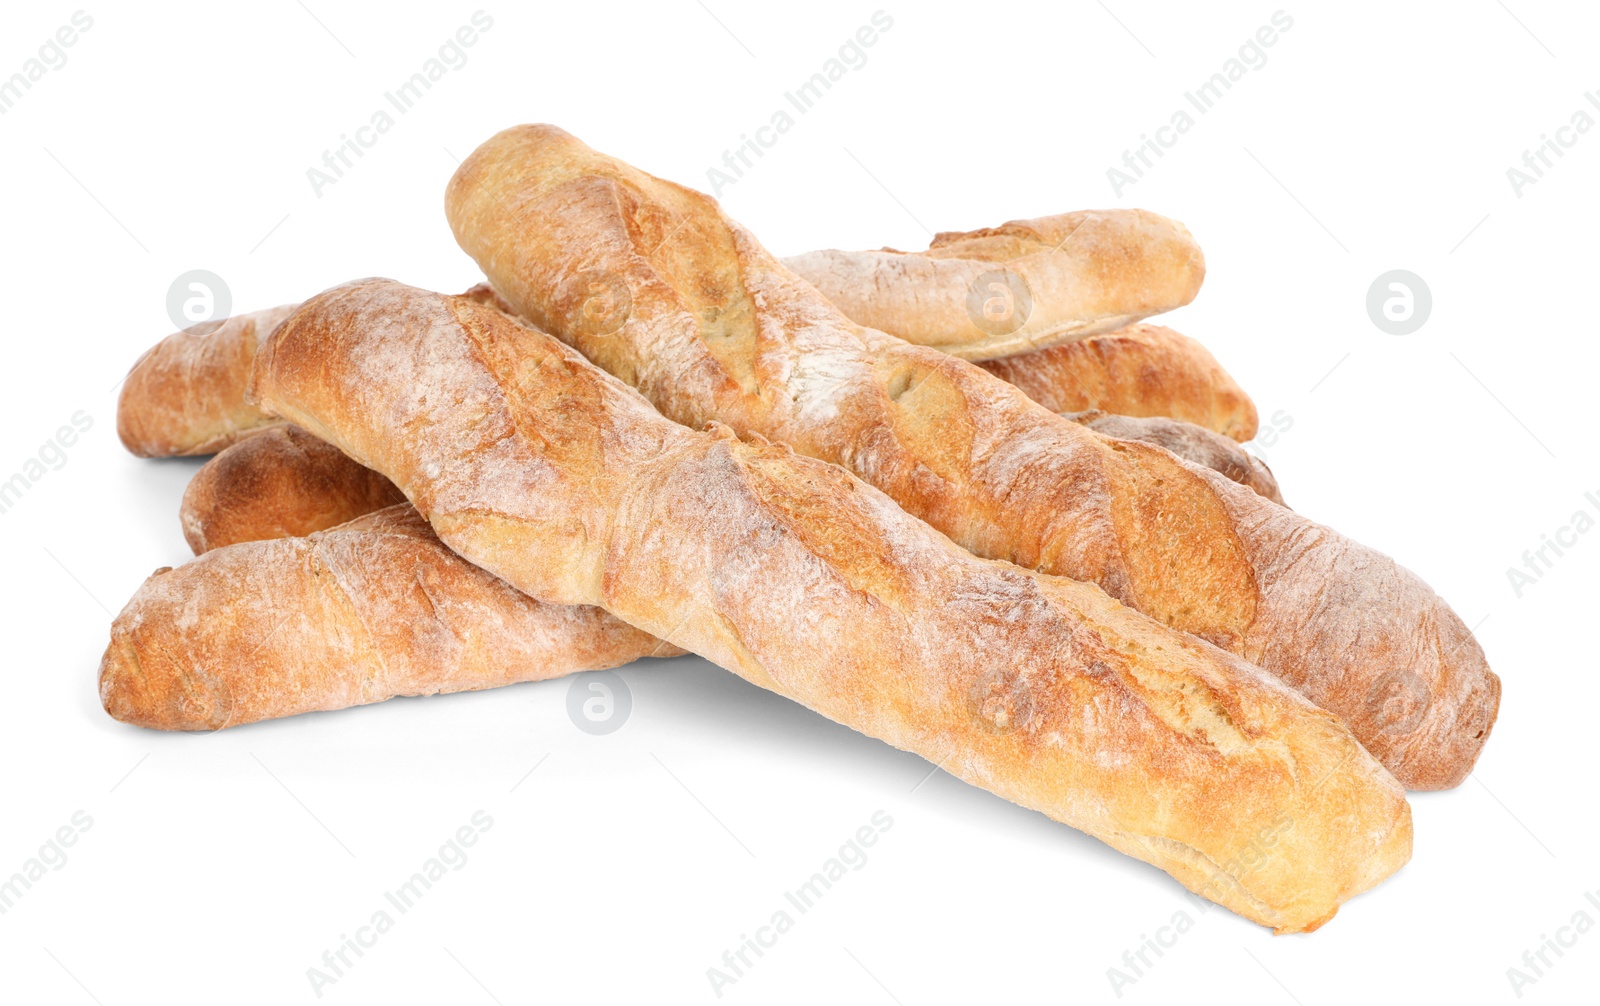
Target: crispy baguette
[(652, 282), (280, 483), (286, 482), (1192, 443), (361, 613), (1141, 370), (533, 463), (186, 394), (1022, 286)]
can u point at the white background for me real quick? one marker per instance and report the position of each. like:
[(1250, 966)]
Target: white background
[(219, 868)]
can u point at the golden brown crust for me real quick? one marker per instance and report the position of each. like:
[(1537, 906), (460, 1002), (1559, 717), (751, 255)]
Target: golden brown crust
[(710, 326), (1194, 444), (1141, 370), (188, 391), (186, 394), (280, 483), (284, 482), (1022, 286), (367, 611), (789, 571)]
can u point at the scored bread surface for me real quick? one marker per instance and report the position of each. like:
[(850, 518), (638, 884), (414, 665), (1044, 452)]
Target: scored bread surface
[(652, 282), (361, 613), (1024, 285), (534, 464)]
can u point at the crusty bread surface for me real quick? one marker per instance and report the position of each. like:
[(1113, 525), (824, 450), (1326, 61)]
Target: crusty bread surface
[(364, 612), (536, 465), (652, 282), (186, 394), (1194, 444), (285, 482), (1022, 286), (1141, 370), (280, 483)]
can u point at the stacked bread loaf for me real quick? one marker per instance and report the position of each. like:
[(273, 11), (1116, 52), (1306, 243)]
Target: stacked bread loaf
[(1054, 572)]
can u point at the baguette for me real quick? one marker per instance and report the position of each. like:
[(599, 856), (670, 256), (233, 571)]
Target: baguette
[(285, 482), (1141, 370), (652, 282), (281, 483), (186, 394), (367, 611), (1022, 286), (1194, 444), (536, 465)]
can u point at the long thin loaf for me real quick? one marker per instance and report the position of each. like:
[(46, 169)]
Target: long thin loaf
[(536, 465), (186, 394), (367, 611), (284, 482), (1138, 370), (1024, 285), (653, 283)]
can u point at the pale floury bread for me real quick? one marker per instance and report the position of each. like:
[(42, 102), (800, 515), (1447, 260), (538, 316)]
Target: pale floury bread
[(536, 465), (652, 282), (1025, 285)]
